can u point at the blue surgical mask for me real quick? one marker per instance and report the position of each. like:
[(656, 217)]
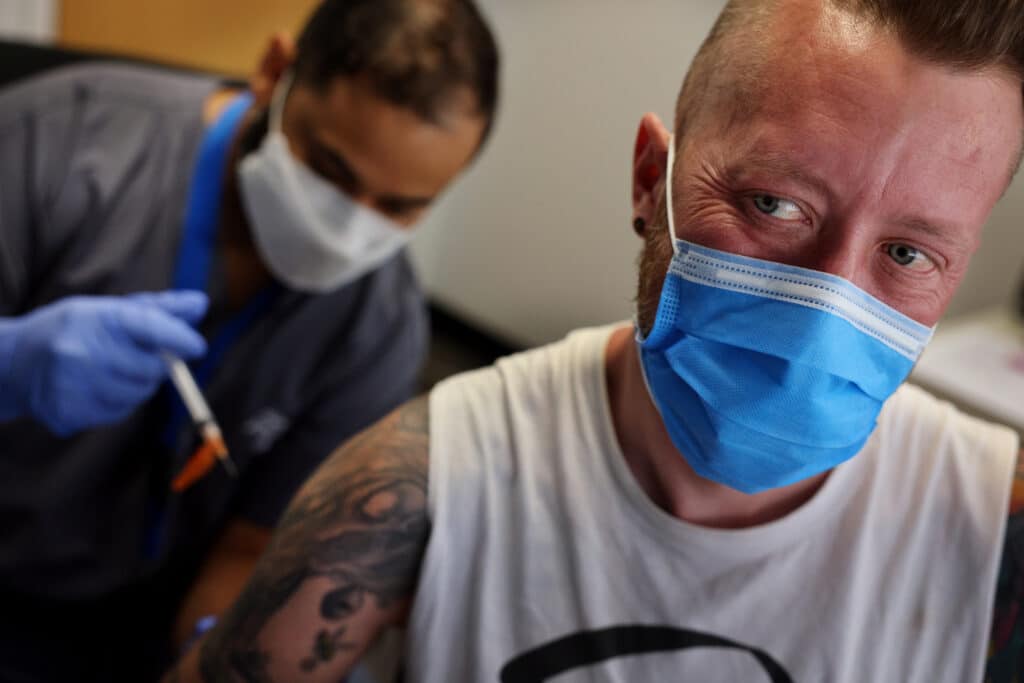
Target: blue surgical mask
[(767, 374)]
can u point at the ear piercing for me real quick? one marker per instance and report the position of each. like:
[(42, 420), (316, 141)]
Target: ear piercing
[(639, 225)]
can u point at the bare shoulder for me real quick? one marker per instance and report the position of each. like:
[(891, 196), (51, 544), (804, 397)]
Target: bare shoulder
[(342, 565)]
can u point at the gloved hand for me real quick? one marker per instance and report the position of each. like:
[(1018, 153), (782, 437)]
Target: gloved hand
[(87, 361)]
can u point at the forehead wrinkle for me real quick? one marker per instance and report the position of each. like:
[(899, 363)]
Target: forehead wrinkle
[(964, 153), (808, 77), (996, 74), (958, 238)]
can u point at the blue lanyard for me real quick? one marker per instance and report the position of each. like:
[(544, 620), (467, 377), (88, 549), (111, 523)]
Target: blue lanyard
[(198, 241), (203, 210), (192, 271)]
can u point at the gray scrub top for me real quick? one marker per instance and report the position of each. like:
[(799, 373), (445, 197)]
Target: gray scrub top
[(95, 164)]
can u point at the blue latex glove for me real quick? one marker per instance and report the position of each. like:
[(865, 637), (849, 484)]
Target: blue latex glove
[(88, 361)]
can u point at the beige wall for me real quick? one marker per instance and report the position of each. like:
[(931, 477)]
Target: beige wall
[(219, 35), (537, 239)]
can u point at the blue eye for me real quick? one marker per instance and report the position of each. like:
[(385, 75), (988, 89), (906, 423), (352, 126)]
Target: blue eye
[(766, 203), (776, 207), (907, 256)]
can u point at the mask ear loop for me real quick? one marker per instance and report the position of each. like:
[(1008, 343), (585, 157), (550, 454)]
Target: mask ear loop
[(641, 339), (278, 98), (669, 208), (671, 227)]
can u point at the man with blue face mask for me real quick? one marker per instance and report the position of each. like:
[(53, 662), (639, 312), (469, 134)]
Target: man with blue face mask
[(737, 486), (257, 233)]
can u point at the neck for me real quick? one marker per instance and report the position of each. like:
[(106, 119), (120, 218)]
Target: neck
[(663, 474), (245, 272)]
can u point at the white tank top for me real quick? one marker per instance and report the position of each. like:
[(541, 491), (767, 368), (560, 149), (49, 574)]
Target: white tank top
[(547, 561)]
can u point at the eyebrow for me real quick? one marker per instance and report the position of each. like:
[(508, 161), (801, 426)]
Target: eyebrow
[(942, 232), (780, 164), (343, 168)]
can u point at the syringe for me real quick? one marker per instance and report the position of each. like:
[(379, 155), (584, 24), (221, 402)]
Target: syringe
[(212, 447)]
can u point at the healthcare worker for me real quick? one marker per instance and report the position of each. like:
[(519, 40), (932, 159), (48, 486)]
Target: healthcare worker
[(257, 234)]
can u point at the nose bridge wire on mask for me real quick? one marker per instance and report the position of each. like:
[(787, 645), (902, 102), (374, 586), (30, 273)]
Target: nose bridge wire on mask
[(765, 374)]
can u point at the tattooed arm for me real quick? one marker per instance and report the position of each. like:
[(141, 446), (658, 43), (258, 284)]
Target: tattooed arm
[(342, 565)]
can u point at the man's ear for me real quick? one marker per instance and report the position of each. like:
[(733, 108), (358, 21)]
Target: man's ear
[(277, 57), (650, 156)]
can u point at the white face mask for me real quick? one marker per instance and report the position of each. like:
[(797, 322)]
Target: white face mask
[(312, 237)]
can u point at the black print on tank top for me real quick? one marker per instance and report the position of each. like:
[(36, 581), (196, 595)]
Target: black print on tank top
[(588, 648)]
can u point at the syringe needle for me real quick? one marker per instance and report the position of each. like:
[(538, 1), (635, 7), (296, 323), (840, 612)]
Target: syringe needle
[(212, 435), (199, 411)]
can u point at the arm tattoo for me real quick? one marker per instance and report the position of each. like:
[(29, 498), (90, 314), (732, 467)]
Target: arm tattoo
[(361, 523)]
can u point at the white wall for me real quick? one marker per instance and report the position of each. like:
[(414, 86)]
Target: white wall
[(30, 20), (536, 240), (997, 270)]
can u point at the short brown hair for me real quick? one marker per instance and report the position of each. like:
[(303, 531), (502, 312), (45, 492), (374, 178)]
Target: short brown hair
[(966, 34), (417, 54)]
